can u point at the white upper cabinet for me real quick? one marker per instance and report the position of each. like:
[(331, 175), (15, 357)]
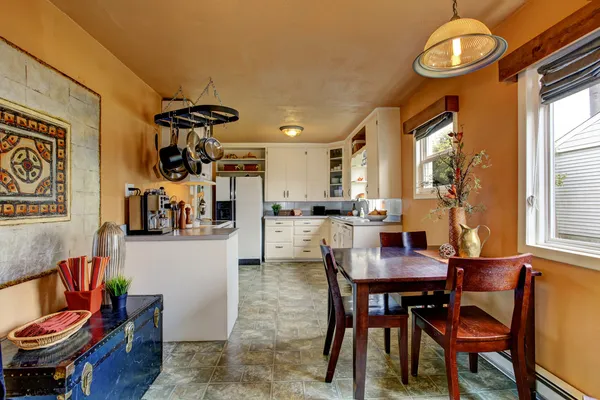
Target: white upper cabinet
[(383, 175), (317, 183), (372, 186), (296, 174), (286, 174), (276, 182)]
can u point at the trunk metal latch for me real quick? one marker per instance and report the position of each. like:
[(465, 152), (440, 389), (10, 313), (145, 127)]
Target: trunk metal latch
[(86, 379), (129, 331)]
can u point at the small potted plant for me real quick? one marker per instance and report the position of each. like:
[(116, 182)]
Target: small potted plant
[(117, 289), (276, 207)]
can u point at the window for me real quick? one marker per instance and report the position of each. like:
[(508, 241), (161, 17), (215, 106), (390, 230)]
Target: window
[(559, 210), (431, 144)]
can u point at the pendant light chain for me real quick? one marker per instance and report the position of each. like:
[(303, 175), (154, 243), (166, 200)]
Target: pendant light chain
[(455, 10)]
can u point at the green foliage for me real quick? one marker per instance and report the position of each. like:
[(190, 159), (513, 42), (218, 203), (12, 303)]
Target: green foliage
[(118, 285), (442, 172), (559, 180), (455, 175), (276, 207)]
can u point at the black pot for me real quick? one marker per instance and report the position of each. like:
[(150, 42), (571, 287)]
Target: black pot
[(171, 157), (118, 302)]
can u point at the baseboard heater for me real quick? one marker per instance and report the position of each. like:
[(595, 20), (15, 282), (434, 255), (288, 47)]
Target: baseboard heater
[(549, 387)]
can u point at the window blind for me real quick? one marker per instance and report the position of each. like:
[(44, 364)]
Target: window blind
[(571, 73), (433, 125)]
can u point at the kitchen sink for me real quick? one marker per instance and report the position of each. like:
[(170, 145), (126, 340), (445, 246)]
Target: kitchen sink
[(353, 219)]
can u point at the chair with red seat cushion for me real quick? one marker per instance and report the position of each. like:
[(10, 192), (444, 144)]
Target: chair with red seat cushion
[(471, 330)]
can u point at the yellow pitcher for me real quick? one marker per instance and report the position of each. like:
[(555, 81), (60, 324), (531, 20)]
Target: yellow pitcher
[(469, 244)]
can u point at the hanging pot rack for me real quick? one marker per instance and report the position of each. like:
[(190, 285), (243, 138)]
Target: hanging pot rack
[(197, 116), (194, 115)]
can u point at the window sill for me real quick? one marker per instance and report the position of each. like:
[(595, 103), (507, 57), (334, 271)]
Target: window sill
[(424, 196), (572, 256)]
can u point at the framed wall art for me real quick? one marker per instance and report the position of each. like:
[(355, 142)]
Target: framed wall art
[(35, 168)]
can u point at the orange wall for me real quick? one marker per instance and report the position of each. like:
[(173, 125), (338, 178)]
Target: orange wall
[(567, 297), (127, 144)]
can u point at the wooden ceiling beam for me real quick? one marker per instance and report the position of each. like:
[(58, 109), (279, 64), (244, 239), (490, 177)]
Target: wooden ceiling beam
[(445, 104), (582, 22)]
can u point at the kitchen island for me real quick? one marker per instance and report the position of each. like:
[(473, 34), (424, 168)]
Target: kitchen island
[(196, 270)]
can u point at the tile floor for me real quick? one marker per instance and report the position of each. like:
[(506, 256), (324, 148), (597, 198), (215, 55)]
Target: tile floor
[(275, 351)]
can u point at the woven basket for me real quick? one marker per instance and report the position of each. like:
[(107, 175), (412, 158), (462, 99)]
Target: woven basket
[(43, 341)]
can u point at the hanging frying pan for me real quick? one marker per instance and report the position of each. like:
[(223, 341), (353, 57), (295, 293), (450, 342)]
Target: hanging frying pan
[(192, 142), (192, 166), (170, 156), (155, 167), (175, 175)]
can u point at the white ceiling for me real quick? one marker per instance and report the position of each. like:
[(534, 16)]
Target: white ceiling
[(323, 64)]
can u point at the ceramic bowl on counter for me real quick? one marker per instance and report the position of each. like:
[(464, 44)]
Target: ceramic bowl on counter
[(376, 218)]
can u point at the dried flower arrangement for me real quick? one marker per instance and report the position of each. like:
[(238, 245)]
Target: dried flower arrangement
[(461, 178)]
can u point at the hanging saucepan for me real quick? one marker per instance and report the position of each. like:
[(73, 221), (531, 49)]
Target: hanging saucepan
[(210, 147), (170, 156)]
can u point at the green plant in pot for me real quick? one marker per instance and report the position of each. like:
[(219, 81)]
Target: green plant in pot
[(117, 288), (276, 207)]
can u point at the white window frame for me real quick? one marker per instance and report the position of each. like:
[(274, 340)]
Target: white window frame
[(534, 227), (419, 159)]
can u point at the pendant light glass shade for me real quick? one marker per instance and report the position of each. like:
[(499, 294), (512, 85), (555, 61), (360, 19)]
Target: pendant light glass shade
[(459, 47)]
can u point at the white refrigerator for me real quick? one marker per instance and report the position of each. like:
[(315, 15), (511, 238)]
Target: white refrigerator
[(240, 199)]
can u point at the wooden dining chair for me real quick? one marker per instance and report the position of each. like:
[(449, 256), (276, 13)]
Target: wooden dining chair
[(471, 330), (409, 240), (381, 315)]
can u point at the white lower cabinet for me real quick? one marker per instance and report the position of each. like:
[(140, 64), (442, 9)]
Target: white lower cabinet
[(345, 236), (294, 239), (279, 251)]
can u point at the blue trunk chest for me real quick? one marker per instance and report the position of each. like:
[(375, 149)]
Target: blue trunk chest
[(115, 355)]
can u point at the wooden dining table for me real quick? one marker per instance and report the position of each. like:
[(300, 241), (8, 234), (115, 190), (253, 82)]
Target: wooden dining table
[(397, 270)]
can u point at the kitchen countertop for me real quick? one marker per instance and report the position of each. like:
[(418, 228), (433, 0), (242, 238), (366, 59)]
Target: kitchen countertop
[(359, 222), (342, 219), (202, 233), (296, 217)]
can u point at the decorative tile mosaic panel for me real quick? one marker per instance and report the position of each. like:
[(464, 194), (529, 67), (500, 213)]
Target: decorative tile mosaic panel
[(34, 166), (48, 163)]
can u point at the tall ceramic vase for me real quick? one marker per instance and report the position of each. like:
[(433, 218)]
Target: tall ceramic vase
[(456, 217), (109, 241)]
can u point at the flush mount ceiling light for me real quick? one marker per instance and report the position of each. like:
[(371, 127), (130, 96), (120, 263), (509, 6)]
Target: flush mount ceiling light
[(291, 130), (458, 47)]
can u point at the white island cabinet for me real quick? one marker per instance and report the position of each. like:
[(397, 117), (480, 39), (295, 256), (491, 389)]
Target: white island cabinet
[(345, 233), (196, 270)]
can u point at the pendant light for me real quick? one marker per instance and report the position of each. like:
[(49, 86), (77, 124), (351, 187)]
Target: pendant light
[(291, 130), (459, 47)]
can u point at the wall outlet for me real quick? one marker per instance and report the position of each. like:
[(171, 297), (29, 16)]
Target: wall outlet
[(127, 187)]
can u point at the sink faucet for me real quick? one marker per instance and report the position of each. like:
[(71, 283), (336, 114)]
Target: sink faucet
[(364, 207)]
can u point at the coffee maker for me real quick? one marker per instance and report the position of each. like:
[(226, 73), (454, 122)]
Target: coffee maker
[(150, 213)]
